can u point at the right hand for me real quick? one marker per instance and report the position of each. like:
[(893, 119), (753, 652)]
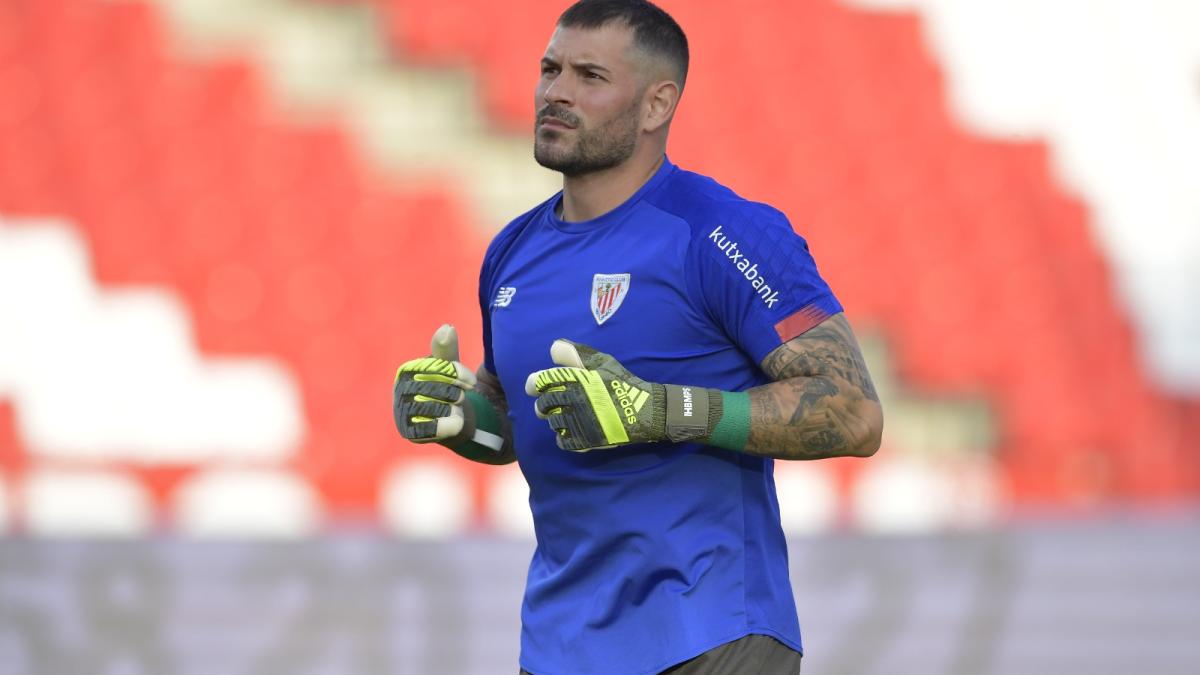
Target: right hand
[(429, 394)]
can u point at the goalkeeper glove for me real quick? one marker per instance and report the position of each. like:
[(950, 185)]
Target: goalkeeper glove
[(592, 401), (433, 401)]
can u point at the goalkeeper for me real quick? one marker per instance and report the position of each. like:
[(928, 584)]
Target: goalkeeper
[(652, 343)]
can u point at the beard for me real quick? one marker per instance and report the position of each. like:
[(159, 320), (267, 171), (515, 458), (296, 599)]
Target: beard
[(594, 150)]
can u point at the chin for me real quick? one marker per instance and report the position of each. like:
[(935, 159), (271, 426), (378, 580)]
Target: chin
[(550, 157)]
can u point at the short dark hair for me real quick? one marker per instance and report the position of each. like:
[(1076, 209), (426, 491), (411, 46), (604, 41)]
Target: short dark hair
[(654, 30)]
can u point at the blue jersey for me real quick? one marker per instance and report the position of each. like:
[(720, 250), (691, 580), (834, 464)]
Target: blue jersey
[(649, 554)]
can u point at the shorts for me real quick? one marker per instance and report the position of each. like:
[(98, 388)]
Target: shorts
[(751, 655)]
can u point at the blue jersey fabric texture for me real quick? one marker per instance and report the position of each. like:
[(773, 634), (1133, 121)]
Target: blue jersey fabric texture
[(649, 554)]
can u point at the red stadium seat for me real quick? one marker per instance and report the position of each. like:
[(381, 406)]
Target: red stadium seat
[(179, 177), (281, 239)]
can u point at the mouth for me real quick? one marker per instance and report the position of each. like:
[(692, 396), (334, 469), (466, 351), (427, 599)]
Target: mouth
[(553, 123)]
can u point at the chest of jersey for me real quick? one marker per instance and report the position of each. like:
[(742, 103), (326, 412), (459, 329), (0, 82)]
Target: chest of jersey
[(618, 291), (622, 291)]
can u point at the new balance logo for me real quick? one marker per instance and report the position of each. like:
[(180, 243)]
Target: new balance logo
[(504, 296), (630, 399), (743, 265)]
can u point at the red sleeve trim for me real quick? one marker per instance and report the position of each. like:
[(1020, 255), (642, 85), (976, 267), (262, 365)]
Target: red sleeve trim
[(800, 322)]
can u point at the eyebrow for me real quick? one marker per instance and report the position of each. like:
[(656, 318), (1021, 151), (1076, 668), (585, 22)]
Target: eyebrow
[(578, 65), (588, 65)]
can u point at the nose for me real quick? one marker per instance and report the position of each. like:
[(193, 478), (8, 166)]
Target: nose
[(557, 90)]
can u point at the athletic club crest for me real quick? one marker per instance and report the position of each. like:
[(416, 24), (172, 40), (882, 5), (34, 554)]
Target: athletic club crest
[(608, 291)]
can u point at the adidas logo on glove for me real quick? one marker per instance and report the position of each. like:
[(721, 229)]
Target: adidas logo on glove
[(630, 398)]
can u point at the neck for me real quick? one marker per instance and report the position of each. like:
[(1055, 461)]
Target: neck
[(594, 194)]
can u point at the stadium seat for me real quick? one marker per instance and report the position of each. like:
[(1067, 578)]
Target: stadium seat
[(276, 235), (283, 239), (964, 251)]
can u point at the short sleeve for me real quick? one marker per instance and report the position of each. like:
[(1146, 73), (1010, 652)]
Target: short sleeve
[(493, 259), (485, 306), (757, 279), (488, 361)]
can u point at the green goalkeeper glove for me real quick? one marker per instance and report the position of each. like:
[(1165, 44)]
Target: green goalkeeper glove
[(592, 401), (433, 402)]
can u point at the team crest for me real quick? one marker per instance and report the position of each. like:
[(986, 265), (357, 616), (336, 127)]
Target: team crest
[(608, 292)]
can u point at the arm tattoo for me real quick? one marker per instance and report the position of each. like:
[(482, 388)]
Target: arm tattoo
[(827, 349), (822, 403), (488, 386)]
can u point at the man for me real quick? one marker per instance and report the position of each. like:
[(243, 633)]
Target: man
[(659, 547)]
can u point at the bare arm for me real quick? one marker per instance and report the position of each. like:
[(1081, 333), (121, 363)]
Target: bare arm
[(821, 404), (488, 385)]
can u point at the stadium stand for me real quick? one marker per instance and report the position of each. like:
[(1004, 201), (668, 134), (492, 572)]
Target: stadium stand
[(276, 237), (965, 252), (282, 237), (179, 198)]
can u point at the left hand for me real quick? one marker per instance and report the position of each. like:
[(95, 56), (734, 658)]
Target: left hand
[(592, 401), (429, 394)]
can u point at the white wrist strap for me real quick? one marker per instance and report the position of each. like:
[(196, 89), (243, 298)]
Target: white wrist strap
[(488, 439)]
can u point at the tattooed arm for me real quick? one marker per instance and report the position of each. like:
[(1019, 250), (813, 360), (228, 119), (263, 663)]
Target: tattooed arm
[(488, 385), (821, 404)]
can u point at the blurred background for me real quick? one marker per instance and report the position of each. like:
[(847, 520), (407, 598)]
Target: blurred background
[(223, 223)]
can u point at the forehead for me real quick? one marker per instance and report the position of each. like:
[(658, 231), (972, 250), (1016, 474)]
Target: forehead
[(609, 45)]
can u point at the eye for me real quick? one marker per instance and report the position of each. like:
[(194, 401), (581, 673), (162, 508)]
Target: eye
[(548, 69), (592, 76)]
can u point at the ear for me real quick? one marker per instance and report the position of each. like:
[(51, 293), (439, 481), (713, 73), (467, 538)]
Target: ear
[(659, 104)]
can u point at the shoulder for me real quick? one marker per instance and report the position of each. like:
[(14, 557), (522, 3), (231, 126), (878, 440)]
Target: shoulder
[(713, 210), (724, 227)]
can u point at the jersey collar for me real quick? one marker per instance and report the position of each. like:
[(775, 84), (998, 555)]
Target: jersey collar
[(615, 215)]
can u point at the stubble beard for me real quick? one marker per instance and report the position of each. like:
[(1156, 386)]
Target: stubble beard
[(594, 149)]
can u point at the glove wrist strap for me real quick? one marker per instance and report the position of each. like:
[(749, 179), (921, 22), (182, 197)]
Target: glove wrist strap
[(713, 417), (687, 412)]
